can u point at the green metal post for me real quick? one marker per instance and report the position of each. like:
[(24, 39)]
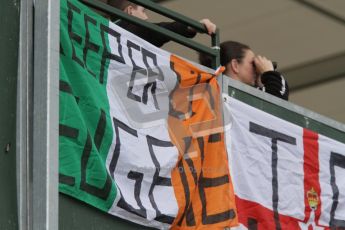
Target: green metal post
[(9, 39), (215, 46)]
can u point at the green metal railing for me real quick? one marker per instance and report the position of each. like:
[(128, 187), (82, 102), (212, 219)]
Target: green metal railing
[(212, 52), (285, 110)]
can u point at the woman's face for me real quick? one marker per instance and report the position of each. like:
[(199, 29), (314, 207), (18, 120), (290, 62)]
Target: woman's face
[(246, 69)]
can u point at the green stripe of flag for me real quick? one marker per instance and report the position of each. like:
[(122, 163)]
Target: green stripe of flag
[(85, 125)]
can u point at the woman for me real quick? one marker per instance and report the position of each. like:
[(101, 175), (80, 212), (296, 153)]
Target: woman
[(243, 65)]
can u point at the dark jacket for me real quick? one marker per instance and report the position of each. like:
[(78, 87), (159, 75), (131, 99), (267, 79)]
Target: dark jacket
[(275, 84), (154, 37)]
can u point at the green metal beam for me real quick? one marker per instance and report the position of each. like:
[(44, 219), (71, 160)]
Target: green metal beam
[(183, 19)]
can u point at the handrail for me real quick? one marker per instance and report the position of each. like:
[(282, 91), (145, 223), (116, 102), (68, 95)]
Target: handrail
[(214, 53), (180, 18), (171, 14), (285, 110)]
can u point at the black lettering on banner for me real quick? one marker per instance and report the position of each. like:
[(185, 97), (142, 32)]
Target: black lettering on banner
[(136, 70), (101, 193), (188, 209), (252, 224), (152, 76), (275, 137), (201, 145), (190, 216), (100, 130), (105, 31), (210, 183), (70, 132), (188, 144), (88, 44), (158, 180), (67, 180), (214, 138), (73, 36), (62, 52), (198, 78), (192, 93), (67, 131), (172, 110), (335, 160), (138, 178), (118, 124), (190, 102), (204, 183), (65, 87), (182, 115)]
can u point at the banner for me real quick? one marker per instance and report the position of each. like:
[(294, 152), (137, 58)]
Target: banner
[(142, 137), (285, 176), (141, 130)]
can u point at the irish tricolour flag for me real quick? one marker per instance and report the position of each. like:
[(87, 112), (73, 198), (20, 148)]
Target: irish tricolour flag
[(141, 130)]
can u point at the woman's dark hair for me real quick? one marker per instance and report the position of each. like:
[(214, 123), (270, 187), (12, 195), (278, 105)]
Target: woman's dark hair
[(228, 50), (232, 50)]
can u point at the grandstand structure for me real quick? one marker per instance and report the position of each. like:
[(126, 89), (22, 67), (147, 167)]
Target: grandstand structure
[(305, 37)]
